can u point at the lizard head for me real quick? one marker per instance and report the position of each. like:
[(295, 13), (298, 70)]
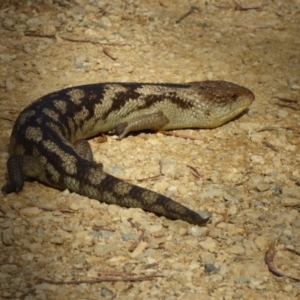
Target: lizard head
[(221, 101)]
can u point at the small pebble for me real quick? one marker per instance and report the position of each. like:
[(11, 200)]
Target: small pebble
[(9, 84), (7, 237), (209, 244), (30, 211), (139, 249), (105, 22), (263, 186), (236, 249), (257, 159), (196, 231), (276, 188), (242, 280), (290, 202), (56, 240), (210, 268), (168, 167)]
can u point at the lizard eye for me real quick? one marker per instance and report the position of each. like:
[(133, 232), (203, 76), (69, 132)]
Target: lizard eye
[(234, 96)]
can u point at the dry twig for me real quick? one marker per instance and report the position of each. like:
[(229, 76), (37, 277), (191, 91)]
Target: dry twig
[(136, 225), (74, 38), (278, 127), (285, 98), (140, 179), (101, 139), (147, 178), (193, 8), (269, 145), (293, 251), (7, 119), (98, 228), (239, 6), (63, 210), (109, 53), (271, 265), (251, 26), (185, 136), (196, 173), (115, 273), (105, 279), (294, 106), (135, 243)]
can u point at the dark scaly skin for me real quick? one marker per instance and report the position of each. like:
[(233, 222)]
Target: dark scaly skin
[(47, 142)]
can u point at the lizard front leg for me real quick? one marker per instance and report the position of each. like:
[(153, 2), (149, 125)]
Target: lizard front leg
[(154, 121)]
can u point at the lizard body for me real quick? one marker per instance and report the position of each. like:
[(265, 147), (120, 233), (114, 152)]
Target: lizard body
[(48, 139)]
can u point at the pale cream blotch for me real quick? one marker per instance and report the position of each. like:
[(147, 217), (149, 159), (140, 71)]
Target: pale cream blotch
[(52, 114), (149, 196), (92, 97), (60, 105), (34, 134), (54, 174), (24, 116), (68, 161), (39, 120), (71, 124), (43, 160), (76, 95), (90, 191), (110, 91), (96, 175), (109, 197), (35, 151), (122, 188), (54, 127), (72, 183), (85, 126), (82, 115), (36, 170)]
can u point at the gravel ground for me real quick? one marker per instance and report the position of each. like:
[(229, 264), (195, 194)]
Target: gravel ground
[(59, 245)]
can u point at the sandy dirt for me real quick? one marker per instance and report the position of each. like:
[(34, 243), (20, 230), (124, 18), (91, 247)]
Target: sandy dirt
[(59, 245)]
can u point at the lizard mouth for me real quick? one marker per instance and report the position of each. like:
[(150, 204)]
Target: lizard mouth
[(235, 114)]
